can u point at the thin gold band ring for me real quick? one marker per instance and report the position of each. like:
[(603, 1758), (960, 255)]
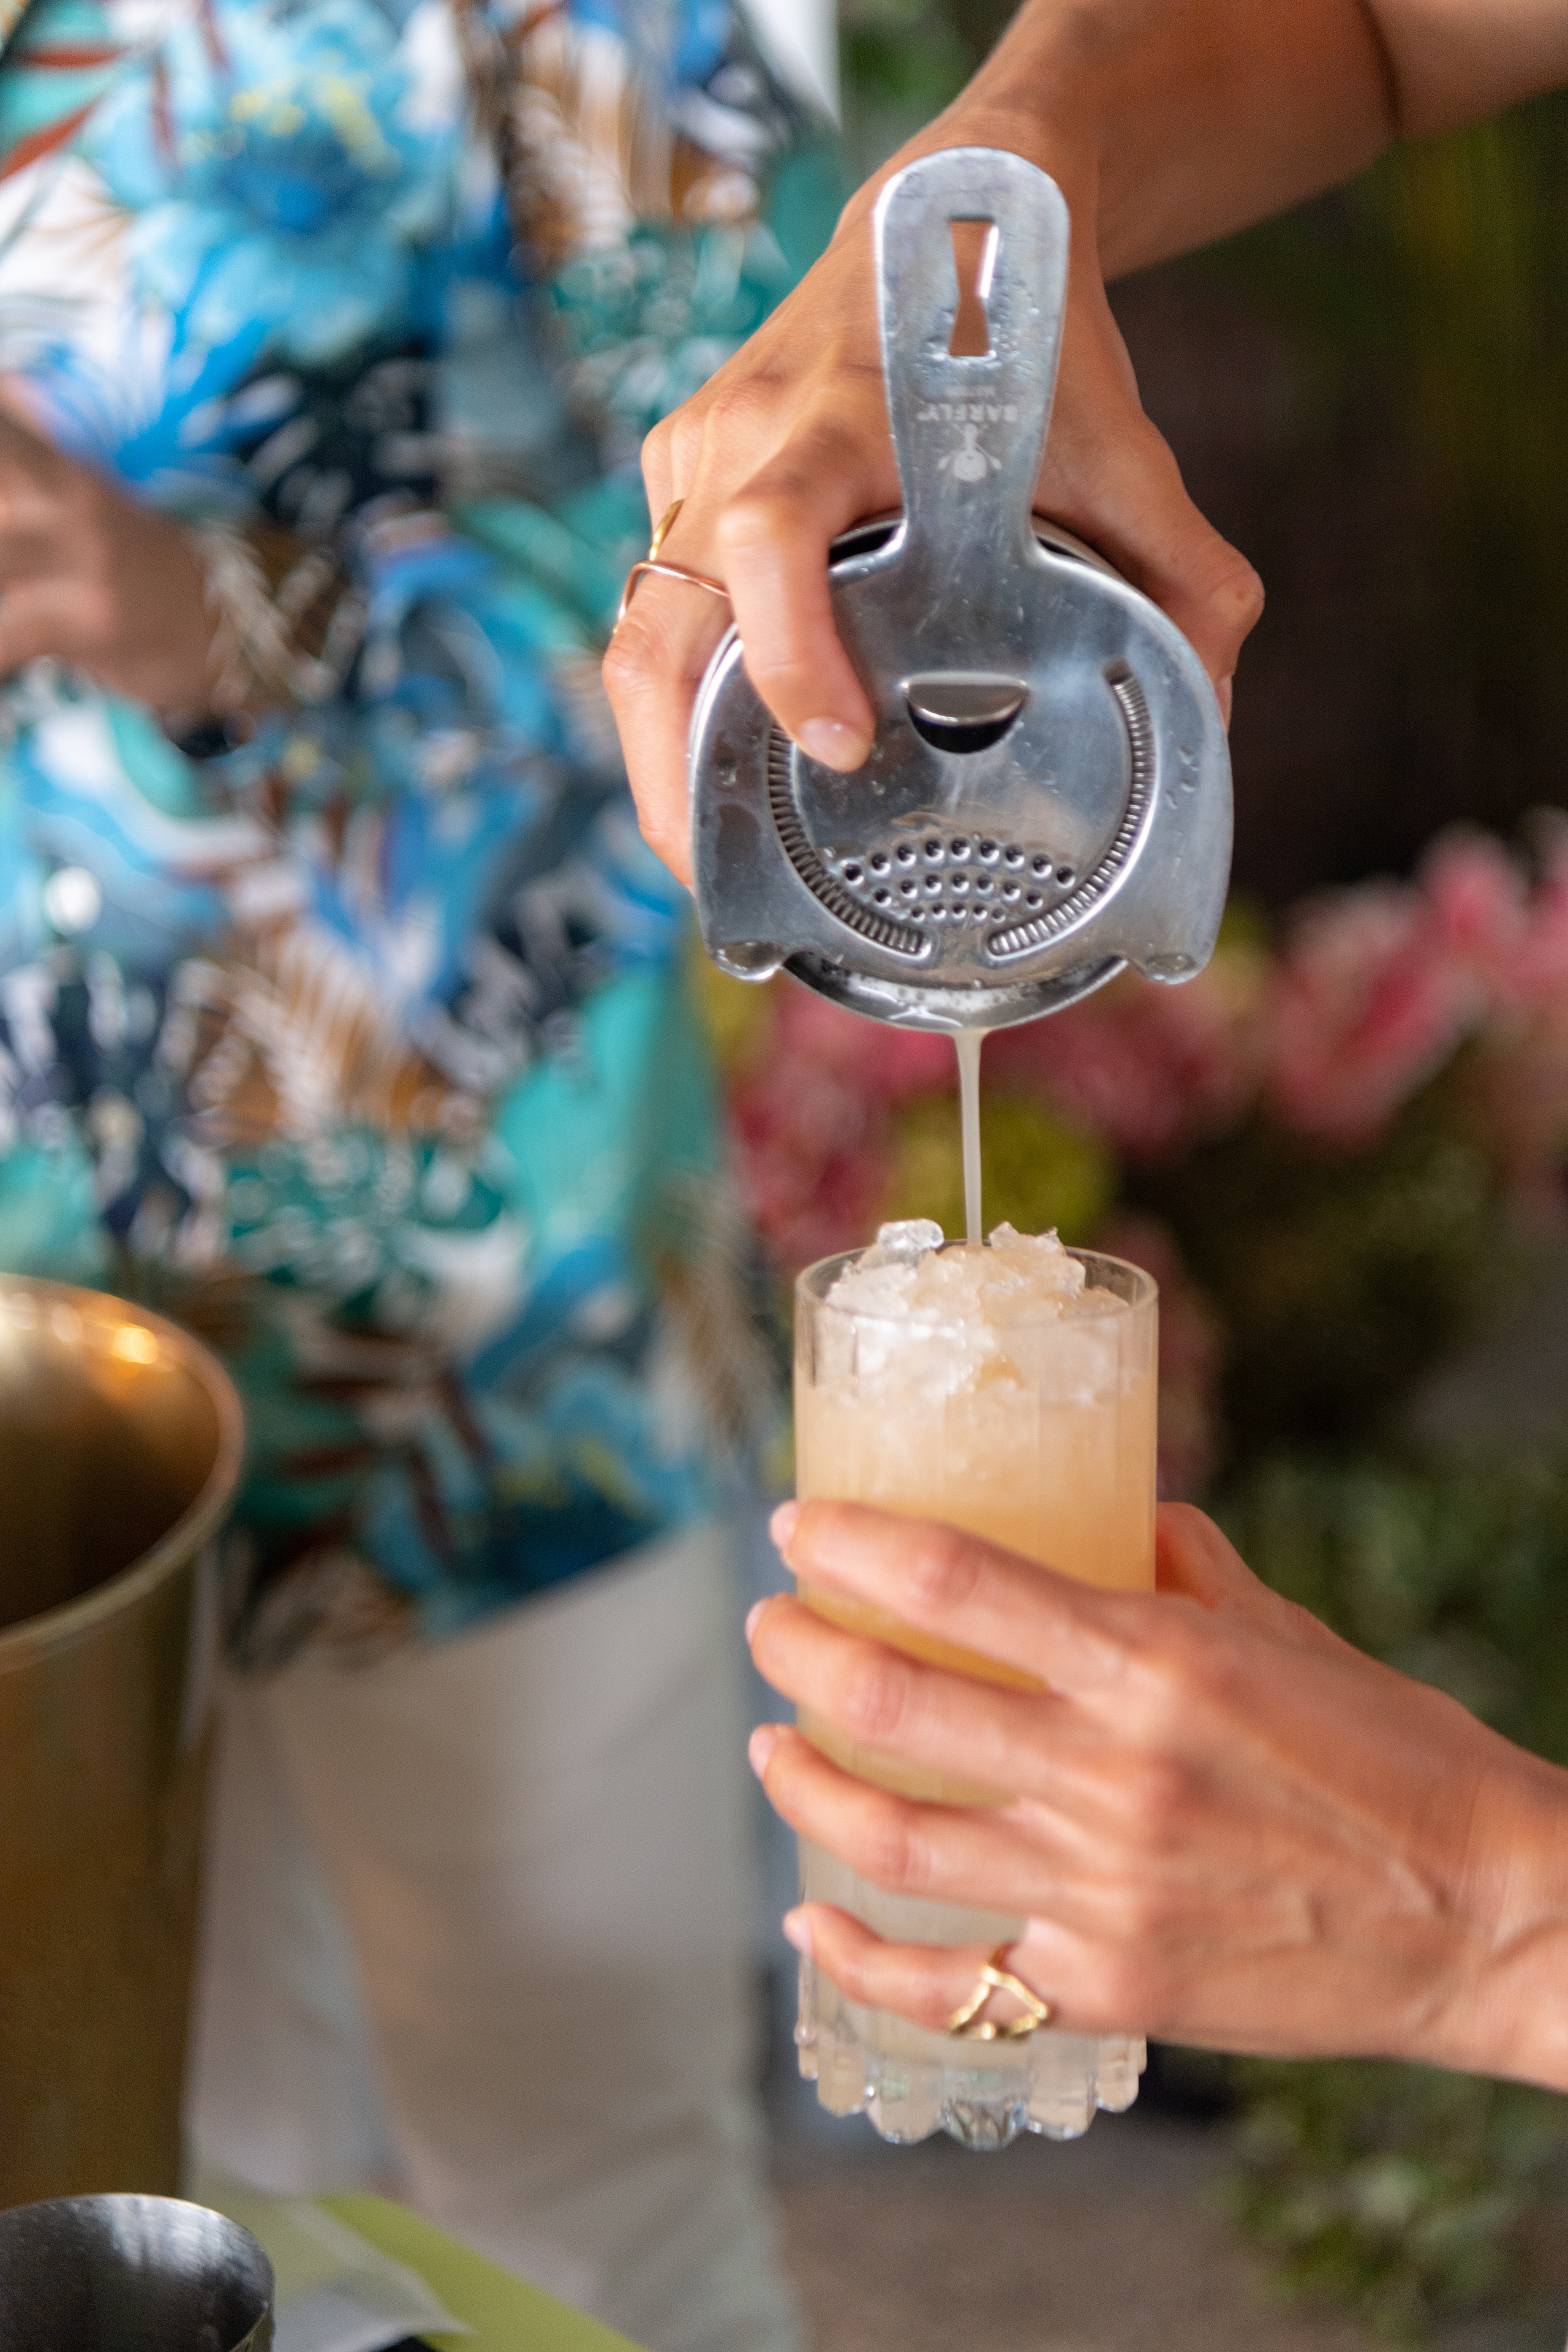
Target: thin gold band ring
[(663, 528), (650, 562)]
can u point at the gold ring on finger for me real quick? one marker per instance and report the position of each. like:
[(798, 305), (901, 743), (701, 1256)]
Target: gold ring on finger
[(969, 2023), (651, 562), (663, 528), (665, 572)]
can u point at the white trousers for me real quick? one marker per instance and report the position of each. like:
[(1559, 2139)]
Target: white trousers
[(479, 1932)]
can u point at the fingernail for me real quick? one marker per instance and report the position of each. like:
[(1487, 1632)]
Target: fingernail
[(797, 1931), (752, 1615), (783, 1525), (761, 1746), (836, 745)]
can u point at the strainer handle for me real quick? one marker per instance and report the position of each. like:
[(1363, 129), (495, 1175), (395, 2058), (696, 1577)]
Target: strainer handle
[(968, 433)]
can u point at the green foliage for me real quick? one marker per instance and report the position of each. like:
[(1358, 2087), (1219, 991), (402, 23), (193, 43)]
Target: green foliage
[(906, 54), (1038, 1173), (1406, 2192), (903, 61), (1339, 1277), (915, 53), (1402, 2191), (1457, 1575)]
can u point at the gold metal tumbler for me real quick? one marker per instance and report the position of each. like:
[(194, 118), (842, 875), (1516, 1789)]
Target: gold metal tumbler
[(120, 1440)]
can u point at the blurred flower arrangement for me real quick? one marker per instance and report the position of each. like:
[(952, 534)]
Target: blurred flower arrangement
[(1326, 1149), (1338, 1150)]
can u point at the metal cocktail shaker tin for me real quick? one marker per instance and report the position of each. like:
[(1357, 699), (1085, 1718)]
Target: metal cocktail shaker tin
[(121, 1442), (1047, 799)]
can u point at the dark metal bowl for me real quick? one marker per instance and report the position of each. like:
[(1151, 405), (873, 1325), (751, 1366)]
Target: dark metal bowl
[(130, 2274)]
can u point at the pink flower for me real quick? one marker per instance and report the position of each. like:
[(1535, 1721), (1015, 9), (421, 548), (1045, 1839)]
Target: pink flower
[(1540, 975), (808, 1124), (885, 1063), (1374, 991), (1477, 904), (1146, 1068), (1379, 986), (1368, 1000)]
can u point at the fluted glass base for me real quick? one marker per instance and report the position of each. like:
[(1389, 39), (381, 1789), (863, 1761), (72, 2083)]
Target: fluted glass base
[(911, 2081)]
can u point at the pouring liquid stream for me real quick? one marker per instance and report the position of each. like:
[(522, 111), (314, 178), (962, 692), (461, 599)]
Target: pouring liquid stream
[(967, 1044)]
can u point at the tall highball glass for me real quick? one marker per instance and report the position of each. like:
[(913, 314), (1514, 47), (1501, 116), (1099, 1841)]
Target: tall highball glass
[(1039, 1433)]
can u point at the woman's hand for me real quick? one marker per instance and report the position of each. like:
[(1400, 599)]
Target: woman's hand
[(1165, 124), (788, 445), (1229, 1828), (91, 578)]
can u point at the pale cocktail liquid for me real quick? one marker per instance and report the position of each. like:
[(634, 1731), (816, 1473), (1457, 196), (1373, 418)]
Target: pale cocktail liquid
[(1008, 1390)]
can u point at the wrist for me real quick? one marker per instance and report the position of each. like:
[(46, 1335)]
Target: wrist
[(1509, 2016), (1041, 94), (1067, 153)]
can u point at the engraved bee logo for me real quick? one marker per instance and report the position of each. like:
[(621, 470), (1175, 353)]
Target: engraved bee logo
[(969, 462)]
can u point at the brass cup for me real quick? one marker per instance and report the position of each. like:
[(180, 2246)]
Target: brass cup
[(121, 1442)]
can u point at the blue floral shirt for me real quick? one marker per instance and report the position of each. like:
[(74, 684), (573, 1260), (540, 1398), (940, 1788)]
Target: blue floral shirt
[(366, 1047)]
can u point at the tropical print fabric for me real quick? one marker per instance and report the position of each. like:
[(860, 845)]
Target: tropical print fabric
[(367, 1048)]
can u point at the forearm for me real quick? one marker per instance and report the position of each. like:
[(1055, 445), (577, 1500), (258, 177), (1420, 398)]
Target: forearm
[(1179, 120), (1201, 115)]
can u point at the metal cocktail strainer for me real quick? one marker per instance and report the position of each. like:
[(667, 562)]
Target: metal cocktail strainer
[(1047, 799)]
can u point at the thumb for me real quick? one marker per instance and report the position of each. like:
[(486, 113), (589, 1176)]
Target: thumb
[(1196, 1560)]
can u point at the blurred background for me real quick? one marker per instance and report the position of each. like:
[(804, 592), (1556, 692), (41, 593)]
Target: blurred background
[(1343, 1150)]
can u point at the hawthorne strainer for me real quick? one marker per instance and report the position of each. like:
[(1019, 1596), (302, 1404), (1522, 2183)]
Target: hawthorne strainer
[(1047, 798)]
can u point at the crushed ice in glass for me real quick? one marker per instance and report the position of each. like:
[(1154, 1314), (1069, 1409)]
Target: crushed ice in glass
[(908, 1276), (920, 1322)]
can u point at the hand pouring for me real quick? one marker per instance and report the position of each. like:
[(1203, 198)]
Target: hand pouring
[(1047, 798)]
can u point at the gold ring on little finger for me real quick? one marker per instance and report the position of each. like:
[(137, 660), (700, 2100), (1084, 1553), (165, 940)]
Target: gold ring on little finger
[(651, 562), (968, 2022)]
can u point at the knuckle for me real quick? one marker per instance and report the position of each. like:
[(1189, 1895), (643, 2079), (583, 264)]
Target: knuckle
[(740, 406), (661, 647), (783, 677), (1205, 1669), (665, 834), (655, 829), (758, 517), (1123, 1987), (931, 2008), (632, 661), (1158, 1801), (1237, 593), (638, 657), (893, 1853), (660, 439), (1186, 1668), (942, 1571), (851, 1975), (877, 1694), (1141, 1916), (680, 452)]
